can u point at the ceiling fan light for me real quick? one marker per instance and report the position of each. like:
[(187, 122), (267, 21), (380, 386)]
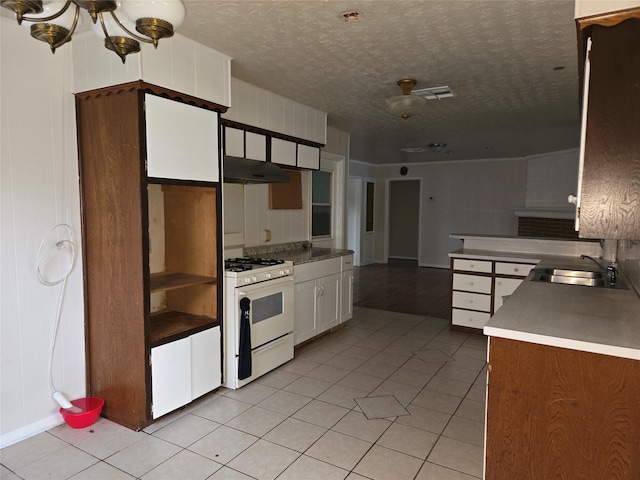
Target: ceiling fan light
[(405, 105)]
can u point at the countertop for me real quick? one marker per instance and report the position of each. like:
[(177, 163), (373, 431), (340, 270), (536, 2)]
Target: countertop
[(591, 319), (310, 254)]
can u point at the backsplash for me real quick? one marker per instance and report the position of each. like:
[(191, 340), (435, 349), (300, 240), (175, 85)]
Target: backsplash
[(546, 227)]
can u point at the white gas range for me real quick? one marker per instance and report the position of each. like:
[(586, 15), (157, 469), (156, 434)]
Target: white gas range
[(259, 318)]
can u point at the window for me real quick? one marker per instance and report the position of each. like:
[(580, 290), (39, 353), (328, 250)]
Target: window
[(369, 207), (321, 207)]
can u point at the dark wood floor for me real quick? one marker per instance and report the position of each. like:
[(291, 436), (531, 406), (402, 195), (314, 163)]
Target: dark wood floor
[(402, 286)]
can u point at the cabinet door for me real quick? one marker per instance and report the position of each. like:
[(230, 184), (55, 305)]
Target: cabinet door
[(305, 308), (328, 310), (609, 193), (308, 157), (283, 152), (170, 376), (346, 296), (206, 360), (234, 142), (256, 146), (182, 140), (504, 287)]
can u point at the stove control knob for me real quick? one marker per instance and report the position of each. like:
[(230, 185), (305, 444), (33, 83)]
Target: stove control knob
[(267, 275)]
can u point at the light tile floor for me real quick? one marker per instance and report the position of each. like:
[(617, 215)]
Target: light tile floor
[(389, 396)]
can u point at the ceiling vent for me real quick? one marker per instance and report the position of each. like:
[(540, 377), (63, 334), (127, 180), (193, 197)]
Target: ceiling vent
[(434, 93)]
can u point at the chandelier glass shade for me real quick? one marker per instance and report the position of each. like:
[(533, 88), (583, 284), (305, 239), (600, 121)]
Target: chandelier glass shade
[(123, 24), (406, 104)]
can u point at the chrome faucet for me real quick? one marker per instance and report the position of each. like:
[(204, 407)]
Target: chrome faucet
[(611, 271)]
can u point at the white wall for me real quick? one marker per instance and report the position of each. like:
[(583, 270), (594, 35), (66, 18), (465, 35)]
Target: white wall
[(551, 178), (39, 183), (458, 197)]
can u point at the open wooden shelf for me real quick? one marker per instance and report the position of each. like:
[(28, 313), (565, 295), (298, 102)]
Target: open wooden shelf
[(167, 326), (170, 281)]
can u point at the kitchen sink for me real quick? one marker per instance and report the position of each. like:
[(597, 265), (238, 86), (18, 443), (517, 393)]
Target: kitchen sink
[(587, 278)]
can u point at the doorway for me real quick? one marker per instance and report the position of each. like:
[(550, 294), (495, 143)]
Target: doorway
[(403, 219)]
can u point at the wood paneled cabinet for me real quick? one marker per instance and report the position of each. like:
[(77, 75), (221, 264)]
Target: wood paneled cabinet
[(555, 413), (151, 249), (609, 188)]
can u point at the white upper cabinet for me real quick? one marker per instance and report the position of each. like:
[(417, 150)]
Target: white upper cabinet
[(283, 152), (308, 157), (255, 146), (243, 144), (182, 140), (233, 142)]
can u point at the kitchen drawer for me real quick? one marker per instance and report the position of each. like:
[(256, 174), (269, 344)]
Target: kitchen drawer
[(472, 301), (471, 283), (482, 266), (346, 262), (467, 318), (311, 270), (516, 269), (504, 287)]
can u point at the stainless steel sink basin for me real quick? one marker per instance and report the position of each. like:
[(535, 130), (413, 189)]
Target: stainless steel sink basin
[(568, 280), (587, 278), (571, 273)]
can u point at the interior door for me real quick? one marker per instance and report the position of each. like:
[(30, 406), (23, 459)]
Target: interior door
[(404, 219)]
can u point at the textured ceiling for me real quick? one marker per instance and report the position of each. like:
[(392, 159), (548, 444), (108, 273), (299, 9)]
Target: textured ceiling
[(498, 56)]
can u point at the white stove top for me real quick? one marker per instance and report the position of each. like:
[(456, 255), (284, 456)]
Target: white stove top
[(246, 271)]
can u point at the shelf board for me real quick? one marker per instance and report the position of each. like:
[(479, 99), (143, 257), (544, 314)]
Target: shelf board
[(167, 326), (170, 281)]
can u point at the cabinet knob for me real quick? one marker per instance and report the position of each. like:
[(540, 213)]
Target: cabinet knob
[(516, 269), (572, 199)]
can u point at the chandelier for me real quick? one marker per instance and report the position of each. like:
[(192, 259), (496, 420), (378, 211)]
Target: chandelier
[(55, 21), (406, 104)]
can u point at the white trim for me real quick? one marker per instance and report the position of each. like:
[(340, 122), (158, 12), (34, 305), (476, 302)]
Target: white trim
[(30, 430)]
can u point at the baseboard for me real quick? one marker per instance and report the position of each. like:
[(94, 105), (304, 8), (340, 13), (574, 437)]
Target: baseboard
[(30, 430), (434, 265)]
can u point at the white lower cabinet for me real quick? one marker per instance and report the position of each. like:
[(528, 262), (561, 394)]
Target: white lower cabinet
[(479, 287), (184, 370), (323, 296)]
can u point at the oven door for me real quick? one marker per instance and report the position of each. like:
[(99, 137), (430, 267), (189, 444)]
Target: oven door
[(271, 310)]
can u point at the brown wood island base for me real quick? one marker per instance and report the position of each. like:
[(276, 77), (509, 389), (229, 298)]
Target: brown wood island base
[(555, 413)]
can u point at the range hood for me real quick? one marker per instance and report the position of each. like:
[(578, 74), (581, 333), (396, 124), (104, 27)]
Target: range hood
[(242, 170)]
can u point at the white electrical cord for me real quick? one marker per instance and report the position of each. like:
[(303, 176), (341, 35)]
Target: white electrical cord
[(43, 253)]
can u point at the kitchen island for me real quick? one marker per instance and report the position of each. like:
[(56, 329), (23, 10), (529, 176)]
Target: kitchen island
[(563, 390)]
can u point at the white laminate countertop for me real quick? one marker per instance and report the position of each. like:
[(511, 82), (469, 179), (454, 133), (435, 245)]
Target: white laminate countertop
[(591, 319)]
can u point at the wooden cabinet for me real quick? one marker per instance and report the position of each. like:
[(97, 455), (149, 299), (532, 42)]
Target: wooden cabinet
[(478, 287), (609, 185), (151, 251), (559, 413)]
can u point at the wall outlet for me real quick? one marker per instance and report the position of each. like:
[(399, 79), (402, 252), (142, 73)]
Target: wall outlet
[(267, 235)]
